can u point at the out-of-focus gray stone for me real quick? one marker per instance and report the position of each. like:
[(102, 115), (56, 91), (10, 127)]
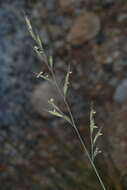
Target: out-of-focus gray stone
[(120, 95), (42, 94)]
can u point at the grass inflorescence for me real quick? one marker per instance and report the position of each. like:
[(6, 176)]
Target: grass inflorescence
[(95, 132)]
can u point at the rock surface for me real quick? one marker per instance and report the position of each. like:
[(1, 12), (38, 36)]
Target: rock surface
[(120, 95)]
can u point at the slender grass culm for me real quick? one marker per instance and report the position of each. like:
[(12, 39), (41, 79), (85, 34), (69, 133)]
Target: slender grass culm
[(56, 111)]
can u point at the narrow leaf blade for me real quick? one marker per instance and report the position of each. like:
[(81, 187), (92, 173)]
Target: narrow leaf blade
[(98, 134), (54, 105), (66, 81), (67, 119), (39, 41), (30, 29), (55, 113), (96, 152), (51, 61)]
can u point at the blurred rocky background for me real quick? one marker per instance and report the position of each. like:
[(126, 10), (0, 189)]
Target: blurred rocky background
[(40, 152)]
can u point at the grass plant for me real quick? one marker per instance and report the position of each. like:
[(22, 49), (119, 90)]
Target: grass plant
[(95, 132)]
